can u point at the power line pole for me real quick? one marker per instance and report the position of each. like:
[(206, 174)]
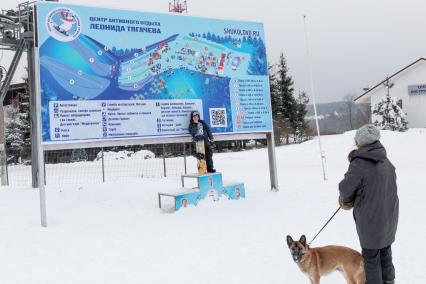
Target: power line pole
[(311, 77)]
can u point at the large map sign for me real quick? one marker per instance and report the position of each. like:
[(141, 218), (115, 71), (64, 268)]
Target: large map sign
[(111, 74)]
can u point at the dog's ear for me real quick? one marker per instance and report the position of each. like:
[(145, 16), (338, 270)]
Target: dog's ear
[(289, 240), (303, 240)]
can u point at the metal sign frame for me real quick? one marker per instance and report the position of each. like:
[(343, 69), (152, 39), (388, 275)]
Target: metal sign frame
[(100, 36)]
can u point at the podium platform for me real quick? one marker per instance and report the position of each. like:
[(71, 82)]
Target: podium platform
[(209, 186)]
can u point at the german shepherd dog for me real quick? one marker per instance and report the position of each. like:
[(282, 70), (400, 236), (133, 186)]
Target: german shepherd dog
[(316, 262)]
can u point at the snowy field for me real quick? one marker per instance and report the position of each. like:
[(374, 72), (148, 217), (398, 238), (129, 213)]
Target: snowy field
[(115, 233)]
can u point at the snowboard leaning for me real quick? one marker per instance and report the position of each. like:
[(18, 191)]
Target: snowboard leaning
[(200, 154)]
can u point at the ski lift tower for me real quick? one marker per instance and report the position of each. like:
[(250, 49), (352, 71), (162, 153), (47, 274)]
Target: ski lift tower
[(17, 34), (14, 28), (178, 7)]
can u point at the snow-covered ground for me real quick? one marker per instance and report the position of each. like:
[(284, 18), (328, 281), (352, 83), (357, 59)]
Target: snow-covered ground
[(115, 233)]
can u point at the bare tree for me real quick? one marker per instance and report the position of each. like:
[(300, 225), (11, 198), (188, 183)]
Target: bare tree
[(364, 115), (349, 102)]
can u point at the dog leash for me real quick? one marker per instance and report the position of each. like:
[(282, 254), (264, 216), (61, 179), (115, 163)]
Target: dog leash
[(324, 226)]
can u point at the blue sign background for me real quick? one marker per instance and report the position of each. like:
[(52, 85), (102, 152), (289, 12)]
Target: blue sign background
[(105, 55)]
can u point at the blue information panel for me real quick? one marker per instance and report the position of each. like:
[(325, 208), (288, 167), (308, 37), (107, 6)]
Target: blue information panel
[(113, 74)]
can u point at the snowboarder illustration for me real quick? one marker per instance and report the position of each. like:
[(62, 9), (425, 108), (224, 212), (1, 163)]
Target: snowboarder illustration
[(68, 21)]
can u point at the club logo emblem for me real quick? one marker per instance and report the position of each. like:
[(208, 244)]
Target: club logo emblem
[(63, 24)]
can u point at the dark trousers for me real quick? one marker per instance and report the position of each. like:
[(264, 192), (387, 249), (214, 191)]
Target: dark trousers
[(378, 265), (209, 155)]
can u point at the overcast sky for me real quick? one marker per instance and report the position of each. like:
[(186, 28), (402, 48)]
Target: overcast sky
[(353, 44)]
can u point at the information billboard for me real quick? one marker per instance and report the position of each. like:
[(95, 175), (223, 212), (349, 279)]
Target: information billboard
[(110, 74)]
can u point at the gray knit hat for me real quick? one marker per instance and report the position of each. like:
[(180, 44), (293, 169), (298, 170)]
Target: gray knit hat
[(367, 134)]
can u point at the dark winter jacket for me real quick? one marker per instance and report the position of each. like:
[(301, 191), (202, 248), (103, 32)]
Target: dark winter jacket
[(193, 129), (370, 184)]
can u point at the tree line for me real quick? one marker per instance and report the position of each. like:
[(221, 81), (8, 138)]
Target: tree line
[(288, 109)]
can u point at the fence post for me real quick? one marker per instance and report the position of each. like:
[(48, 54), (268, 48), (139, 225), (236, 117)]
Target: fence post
[(7, 171), (44, 165), (184, 156), (103, 165), (164, 160)]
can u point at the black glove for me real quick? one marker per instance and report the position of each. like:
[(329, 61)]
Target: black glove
[(345, 206), (198, 138)]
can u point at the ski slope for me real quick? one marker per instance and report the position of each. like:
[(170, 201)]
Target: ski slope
[(115, 233)]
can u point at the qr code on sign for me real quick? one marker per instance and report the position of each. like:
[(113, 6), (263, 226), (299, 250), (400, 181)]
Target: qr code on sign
[(218, 117)]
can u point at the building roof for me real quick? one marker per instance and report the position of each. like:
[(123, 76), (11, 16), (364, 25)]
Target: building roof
[(390, 77)]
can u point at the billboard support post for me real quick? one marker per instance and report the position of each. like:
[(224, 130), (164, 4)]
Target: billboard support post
[(272, 161), (34, 117), (37, 132), (103, 165), (184, 156), (40, 153), (164, 160)]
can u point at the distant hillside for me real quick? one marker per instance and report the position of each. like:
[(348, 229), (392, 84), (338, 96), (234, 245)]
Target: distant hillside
[(335, 117)]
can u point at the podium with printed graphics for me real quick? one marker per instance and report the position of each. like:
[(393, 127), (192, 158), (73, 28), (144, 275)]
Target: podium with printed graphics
[(209, 186)]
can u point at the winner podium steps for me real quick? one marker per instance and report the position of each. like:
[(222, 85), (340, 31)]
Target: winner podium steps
[(210, 186)]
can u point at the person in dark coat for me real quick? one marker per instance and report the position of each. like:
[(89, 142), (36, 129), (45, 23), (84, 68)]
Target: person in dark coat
[(369, 186), (201, 131)]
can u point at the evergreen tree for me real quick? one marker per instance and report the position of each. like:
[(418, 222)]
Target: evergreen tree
[(275, 103), (25, 126), (14, 131), (26, 122), (300, 125), (78, 155), (288, 104), (389, 115)]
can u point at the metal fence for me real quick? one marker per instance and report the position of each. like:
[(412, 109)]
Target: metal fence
[(117, 164), (97, 165)]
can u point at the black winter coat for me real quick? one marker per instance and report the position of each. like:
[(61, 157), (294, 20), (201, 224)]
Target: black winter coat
[(370, 184), (208, 136)]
